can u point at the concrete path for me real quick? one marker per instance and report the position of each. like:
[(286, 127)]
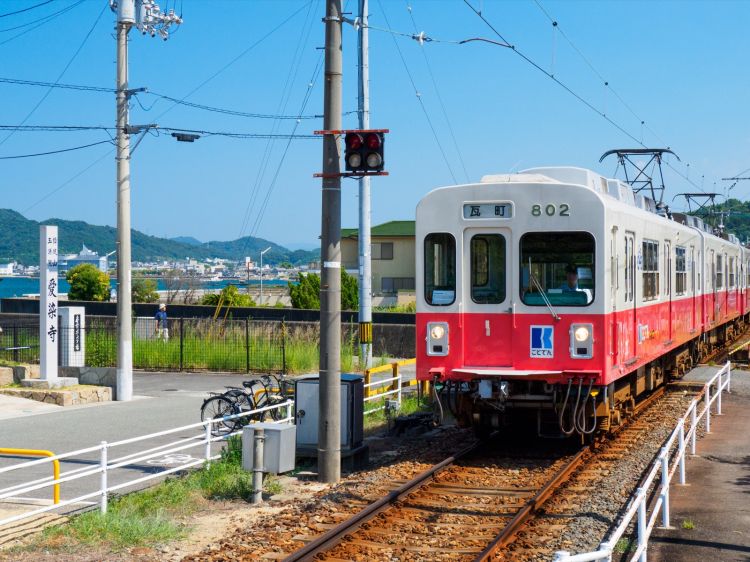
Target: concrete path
[(13, 407), (716, 499)]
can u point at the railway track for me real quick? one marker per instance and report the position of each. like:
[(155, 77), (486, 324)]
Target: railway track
[(468, 507)]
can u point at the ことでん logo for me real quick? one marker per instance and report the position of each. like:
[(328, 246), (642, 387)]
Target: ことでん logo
[(541, 342)]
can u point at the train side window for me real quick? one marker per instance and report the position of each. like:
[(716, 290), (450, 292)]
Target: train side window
[(650, 270), (629, 268), (440, 269), (488, 268), (680, 267), (719, 271), (731, 272)]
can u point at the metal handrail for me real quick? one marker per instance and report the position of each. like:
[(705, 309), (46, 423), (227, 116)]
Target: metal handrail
[(39, 453), (637, 509)]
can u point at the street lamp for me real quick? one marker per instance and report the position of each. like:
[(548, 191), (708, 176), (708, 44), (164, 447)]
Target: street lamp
[(261, 274)]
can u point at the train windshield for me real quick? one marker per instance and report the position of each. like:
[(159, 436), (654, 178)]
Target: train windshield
[(557, 268), (440, 269)]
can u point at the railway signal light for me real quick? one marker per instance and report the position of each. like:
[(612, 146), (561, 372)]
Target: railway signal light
[(364, 152)]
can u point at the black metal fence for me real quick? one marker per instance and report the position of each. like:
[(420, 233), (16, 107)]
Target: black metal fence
[(184, 345)]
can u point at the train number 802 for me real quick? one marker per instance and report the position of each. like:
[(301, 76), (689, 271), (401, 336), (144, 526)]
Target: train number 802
[(562, 210)]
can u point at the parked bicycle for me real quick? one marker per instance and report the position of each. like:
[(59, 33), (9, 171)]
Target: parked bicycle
[(268, 390)]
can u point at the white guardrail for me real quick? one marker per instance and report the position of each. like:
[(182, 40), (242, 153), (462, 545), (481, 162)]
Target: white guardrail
[(674, 449), (395, 384), (105, 465)]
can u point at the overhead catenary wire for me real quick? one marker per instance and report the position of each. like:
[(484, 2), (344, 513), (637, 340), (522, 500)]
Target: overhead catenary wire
[(439, 96), (419, 97), (64, 70)]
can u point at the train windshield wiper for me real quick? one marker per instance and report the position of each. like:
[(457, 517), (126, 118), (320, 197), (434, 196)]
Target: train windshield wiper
[(542, 293)]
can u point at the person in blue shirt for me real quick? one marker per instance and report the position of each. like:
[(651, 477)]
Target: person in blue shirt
[(571, 280), (162, 327)]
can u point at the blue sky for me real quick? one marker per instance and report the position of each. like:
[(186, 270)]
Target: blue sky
[(680, 66)]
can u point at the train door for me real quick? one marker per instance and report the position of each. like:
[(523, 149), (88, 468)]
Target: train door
[(714, 312), (488, 320), (691, 295), (629, 323), (613, 294), (668, 286)]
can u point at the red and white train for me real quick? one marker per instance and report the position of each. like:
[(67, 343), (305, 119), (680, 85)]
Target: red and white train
[(561, 293)]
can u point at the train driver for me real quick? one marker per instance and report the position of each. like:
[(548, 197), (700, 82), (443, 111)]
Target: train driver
[(571, 279)]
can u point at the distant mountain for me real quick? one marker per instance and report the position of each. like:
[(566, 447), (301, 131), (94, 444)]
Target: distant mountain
[(19, 241), (189, 240)]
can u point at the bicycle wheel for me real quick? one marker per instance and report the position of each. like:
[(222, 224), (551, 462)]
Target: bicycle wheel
[(219, 407), (244, 403)]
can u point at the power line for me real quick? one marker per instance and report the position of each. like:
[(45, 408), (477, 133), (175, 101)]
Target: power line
[(55, 151), (25, 9), (43, 21), (439, 97), (238, 57), (19, 82), (64, 70), (419, 97)]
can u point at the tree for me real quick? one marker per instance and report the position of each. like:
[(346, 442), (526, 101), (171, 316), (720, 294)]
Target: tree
[(87, 283), (306, 293), (144, 290), (349, 292), (229, 296)]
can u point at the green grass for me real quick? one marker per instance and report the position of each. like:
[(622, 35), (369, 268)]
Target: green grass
[(409, 405), (624, 546), (688, 524), (153, 516)]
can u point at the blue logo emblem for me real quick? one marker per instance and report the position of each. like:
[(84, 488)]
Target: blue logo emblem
[(541, 342)]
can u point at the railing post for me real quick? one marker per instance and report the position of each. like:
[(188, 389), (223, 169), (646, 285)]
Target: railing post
[(642, 526), (367, 383), (16, 351), (561, 556), (605, 546), (718, 395), (664, 488), (694, 427), (708, 408), (681, 450), (258, 439), (182, 343), (103, 477), (396, 384), (208, 441), (729, 376)]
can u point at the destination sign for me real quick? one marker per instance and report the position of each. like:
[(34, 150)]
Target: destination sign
[(488, 210)]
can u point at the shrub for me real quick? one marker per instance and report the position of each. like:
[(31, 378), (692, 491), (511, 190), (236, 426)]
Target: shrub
[(87, 283)]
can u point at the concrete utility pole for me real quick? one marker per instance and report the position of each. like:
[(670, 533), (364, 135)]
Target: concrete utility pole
[(329, 421), (365, 224), (125, 20), (147, 17)]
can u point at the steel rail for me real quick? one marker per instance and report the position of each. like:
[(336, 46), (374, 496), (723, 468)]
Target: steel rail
[(332, 537), (531, 507)]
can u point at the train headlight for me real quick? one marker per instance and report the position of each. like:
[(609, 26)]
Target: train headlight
[(581, 341), (582, 333), (437, 338), (437, 332)]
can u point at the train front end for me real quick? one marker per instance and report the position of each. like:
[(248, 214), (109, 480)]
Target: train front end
[(510, 300)]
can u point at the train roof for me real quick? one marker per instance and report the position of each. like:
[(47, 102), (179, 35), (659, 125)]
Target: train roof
[(611, 187)]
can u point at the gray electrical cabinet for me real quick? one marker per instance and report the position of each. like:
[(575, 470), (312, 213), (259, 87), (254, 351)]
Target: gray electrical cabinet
[(306, 406), (278, 447)]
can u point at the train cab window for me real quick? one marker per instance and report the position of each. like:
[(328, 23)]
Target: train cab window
[(557, 268), (440, 269), (650, 259), (680, 267), (488, 268)]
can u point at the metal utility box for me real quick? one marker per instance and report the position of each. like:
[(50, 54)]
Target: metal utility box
[(278, 448), (72, 323), (352, 410)]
